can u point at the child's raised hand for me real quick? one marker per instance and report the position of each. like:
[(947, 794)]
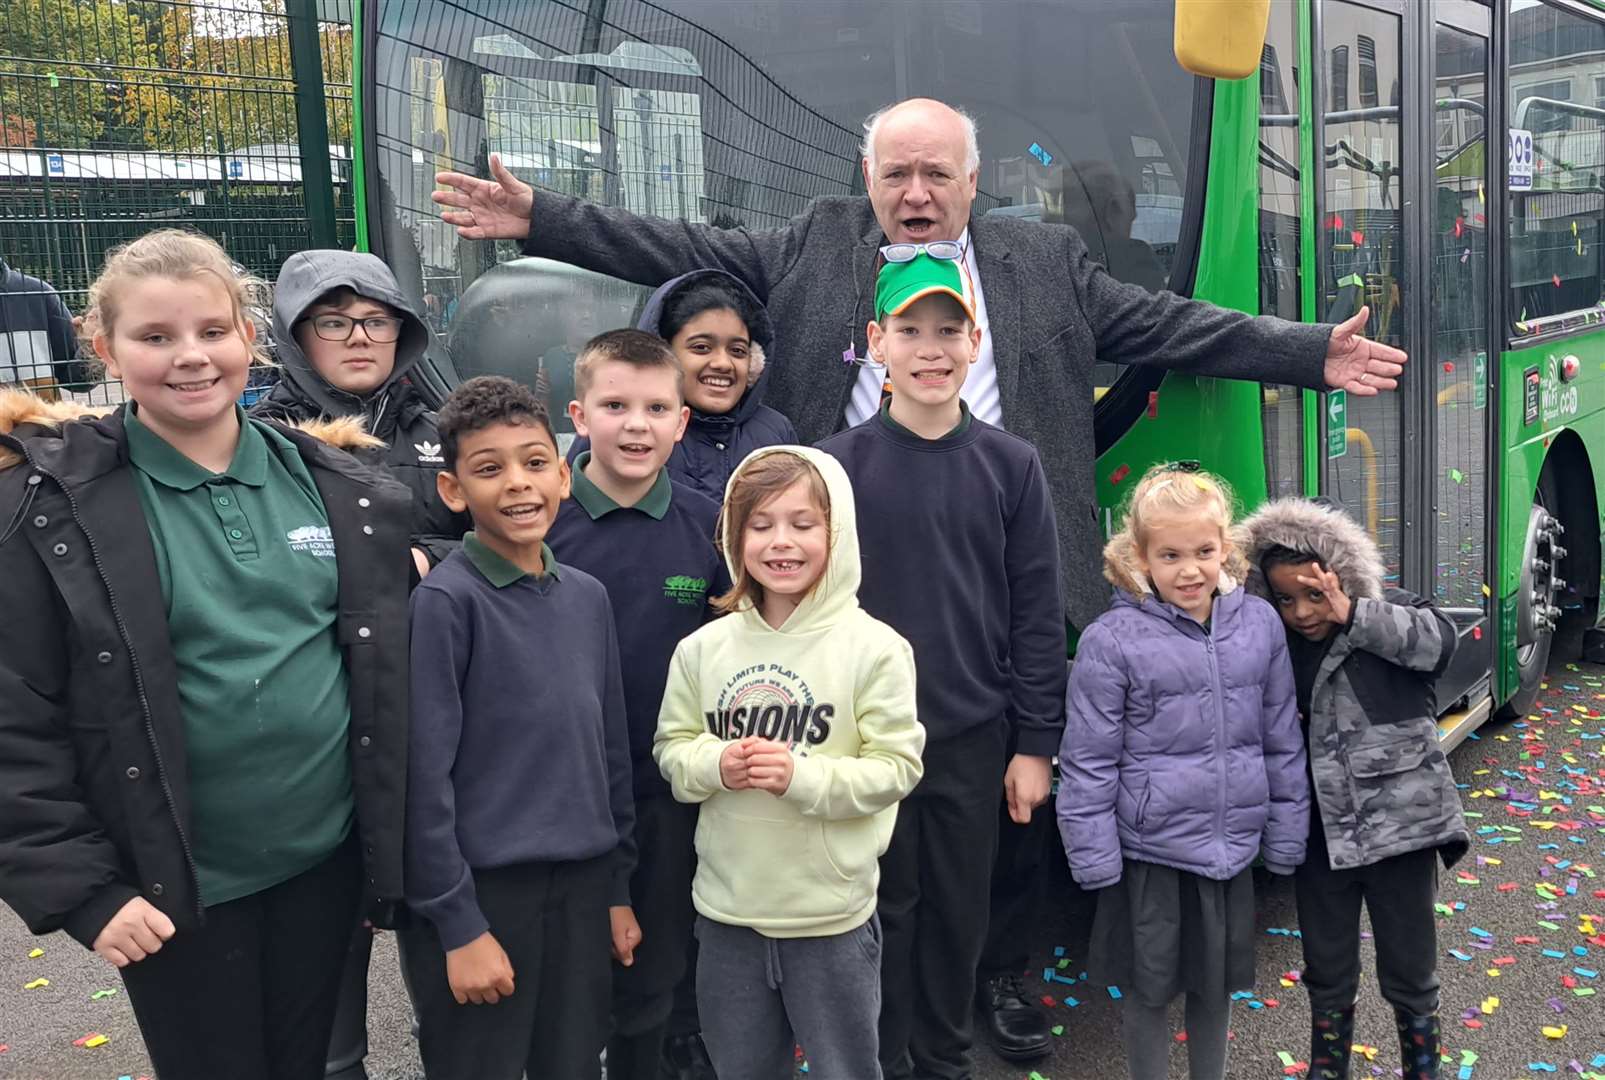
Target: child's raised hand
[(769, 766), (626, 933), (137, 930), (479, 972), (1338, 604), (733, 764)]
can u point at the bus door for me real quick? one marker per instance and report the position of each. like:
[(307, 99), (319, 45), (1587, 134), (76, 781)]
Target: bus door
[(1455, 356), (1403, 219), (1364, 217)]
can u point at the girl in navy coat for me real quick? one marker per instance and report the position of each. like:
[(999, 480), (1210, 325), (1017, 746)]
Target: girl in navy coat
[(720, 332)]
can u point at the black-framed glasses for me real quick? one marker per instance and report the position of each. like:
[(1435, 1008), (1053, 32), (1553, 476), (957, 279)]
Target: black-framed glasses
[(951, 250), (381, 329)]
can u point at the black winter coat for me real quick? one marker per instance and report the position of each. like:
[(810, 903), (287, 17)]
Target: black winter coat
[(94, 804)]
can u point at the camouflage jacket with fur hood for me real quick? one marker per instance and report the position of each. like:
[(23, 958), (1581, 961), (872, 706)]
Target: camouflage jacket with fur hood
[(1382, 785), (94, 787)]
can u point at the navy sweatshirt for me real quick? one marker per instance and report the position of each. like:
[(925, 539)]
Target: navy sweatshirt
[(658, 562), (962, 558), (519, 751)]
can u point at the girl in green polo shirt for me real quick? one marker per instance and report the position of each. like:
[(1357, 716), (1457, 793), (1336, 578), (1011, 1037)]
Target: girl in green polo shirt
[(202, 767)]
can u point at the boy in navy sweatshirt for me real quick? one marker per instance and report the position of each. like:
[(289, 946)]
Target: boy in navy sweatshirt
[(961, 558), (649, 540), (519, 842)]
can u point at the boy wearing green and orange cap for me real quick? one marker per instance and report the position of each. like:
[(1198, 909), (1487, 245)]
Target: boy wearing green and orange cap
[(960, 556)]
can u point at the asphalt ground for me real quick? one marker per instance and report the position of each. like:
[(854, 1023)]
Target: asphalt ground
[(1517, 908)]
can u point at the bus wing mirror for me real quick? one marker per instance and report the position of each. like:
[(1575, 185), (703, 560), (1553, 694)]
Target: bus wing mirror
[(1221, 39)]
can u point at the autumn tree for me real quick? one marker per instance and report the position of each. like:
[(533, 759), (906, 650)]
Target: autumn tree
[(165, 75)]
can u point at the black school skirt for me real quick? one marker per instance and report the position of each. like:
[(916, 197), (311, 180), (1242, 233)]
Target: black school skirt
[(1161, 932)]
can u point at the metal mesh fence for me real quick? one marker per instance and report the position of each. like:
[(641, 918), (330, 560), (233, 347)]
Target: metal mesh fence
[(120, 116)]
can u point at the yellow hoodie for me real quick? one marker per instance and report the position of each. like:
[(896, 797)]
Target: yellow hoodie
[(837, 684)]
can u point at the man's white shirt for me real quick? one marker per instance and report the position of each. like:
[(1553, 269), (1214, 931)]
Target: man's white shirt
[(980, 390)]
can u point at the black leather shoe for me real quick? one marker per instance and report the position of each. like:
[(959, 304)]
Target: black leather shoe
[(1017, 1028), (685, 1058)]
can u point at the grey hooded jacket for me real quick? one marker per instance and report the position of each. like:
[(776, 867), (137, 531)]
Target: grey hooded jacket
[(395, 412), (1381, 784)]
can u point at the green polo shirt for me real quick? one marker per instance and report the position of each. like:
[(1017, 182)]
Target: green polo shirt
[(654, 504), (959, 429), (247, 569), (502, 572)]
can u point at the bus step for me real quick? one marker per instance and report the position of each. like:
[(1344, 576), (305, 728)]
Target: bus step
[(1455, 726)]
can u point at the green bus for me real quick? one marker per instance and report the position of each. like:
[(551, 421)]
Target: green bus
[(1354, 168)]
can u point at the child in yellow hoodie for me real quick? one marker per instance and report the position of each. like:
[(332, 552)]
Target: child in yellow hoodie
[(792, 721)]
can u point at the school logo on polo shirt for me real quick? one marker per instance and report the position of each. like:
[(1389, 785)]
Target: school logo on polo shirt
[(312, 539), (684, 589), (429, 452)]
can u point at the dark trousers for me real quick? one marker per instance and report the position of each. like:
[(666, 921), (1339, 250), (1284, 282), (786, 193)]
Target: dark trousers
[(1399, 893), (644, 992), (250, 994), (348, 1042), (1024, 853), (552, 921), (935, 880)]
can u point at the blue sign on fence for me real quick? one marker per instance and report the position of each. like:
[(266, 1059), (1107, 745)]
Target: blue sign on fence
[(236, 168), (56, 165)]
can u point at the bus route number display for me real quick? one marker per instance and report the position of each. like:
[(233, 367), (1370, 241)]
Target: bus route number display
[(1521, 160)]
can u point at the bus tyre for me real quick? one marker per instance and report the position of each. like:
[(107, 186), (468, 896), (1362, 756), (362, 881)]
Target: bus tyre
[(1537, 614)]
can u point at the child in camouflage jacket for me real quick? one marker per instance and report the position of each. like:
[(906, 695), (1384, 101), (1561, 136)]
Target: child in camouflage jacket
[(1384, 806)]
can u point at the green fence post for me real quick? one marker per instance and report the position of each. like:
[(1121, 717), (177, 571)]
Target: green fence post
[(311, 122)]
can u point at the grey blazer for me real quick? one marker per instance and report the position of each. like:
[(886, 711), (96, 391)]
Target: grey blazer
[(1053, 313)]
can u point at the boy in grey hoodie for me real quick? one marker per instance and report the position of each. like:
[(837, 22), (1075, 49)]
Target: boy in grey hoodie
[(347, 341)]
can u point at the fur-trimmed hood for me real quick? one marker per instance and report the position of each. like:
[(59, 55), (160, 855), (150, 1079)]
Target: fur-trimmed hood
[(24, 415), (1340, 543)]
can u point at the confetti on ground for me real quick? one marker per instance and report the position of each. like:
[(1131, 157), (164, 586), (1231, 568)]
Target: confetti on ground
[(36, 954)]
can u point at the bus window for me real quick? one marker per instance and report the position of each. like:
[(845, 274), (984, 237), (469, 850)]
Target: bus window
[(739, 115), (1456, 369), (1361, 256), (1555, 226), (1280, 285)]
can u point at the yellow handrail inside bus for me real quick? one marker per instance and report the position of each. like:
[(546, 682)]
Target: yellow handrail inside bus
[(1357, 437)]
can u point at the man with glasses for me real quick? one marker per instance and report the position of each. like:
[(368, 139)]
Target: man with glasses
[(1047, 314)]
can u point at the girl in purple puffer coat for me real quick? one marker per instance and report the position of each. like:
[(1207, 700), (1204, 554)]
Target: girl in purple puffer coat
[(1182, 761)]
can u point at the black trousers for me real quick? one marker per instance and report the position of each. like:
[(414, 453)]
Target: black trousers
[(552, 921), (250, 995), (934, 893), (644, 992), (1398, 893), (1024, 853)]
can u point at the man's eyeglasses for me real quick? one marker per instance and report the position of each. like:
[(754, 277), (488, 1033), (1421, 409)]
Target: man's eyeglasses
[(936, 249), (382, 329)]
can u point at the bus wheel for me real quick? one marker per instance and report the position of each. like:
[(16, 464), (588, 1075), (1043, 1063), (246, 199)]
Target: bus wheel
[(1537, 614)]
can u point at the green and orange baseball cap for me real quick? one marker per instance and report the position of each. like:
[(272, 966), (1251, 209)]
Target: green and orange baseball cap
[(899, 284)]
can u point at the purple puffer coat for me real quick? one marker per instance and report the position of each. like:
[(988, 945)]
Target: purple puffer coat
[(1182, 748)]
